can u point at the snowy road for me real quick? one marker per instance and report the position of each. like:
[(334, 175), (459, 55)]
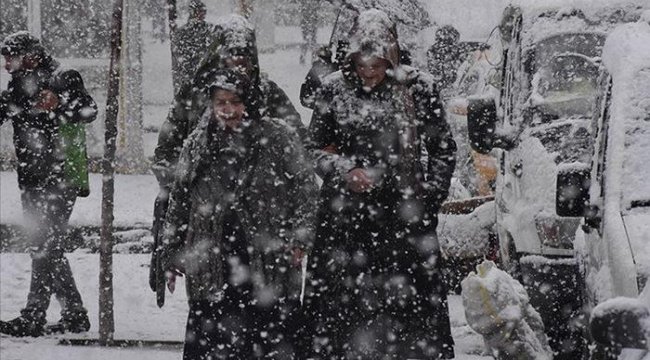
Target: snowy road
[(136, 314)]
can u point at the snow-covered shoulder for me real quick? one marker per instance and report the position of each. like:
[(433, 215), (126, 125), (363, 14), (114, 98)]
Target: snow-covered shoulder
[(410, 75), (333, 78)]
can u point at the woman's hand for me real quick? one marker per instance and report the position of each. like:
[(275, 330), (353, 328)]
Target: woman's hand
[(297, 254), (358, 180), (171, 275), (47, 100)]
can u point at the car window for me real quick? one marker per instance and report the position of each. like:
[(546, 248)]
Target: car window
[(566, 86)]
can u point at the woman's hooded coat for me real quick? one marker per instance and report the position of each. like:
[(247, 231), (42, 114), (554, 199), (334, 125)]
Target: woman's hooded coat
[(368, 262), (258, 178), (233, 36)]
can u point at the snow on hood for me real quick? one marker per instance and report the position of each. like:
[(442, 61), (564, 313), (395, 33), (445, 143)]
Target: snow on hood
[(238, 28), (409, 16), (234, 35), (374, 34)]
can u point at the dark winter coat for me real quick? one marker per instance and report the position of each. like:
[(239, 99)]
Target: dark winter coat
[(190, 43), (254, 187), (39, 147), (445, 56), (233, 37), (374, 262)]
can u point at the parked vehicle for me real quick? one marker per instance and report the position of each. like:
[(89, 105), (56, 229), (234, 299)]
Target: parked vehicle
[(477, 76), (543, 126), (466, 230), (614, 239)]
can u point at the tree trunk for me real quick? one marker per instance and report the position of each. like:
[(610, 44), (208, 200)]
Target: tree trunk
[(106, 318), (130, 145)]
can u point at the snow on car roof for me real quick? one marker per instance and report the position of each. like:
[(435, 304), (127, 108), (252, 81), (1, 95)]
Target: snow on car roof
[(543, 22), (627, 49)]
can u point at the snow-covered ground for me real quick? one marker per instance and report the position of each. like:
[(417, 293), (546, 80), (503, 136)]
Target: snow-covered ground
[(136, 315)]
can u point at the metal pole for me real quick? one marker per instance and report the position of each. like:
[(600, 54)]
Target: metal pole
[(106, 318)]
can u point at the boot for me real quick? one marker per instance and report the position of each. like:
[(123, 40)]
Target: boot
[(71, 323), (22, 326)]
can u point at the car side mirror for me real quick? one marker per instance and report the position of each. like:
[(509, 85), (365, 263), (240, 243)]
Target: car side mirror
[(618, 323), (481, 124), (572, 191)]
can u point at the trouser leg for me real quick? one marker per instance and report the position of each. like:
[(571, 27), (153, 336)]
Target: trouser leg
[(47, 214)]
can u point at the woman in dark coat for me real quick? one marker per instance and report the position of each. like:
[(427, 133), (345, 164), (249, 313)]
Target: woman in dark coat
[(240, 217), (376, 288)]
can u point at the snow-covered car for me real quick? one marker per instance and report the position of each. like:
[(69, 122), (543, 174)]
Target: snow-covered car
[(466, 227), (478, 76), (614, 241), (540, 126)]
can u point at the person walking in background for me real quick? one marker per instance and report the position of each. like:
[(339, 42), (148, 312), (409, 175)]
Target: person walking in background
[(190, 43), (240, 219), (445, 56), (309, 26), (43, 102), (376, 289)]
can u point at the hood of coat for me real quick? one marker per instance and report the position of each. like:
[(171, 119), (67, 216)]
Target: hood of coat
[(199, 144), (373, 34), (234, 36)]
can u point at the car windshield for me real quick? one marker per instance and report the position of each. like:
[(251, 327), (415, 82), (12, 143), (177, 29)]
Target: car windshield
[(564, 74), (636, 191)]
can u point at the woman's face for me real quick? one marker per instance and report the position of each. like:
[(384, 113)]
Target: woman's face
[(228, 108), (13, 63), (371, 70)]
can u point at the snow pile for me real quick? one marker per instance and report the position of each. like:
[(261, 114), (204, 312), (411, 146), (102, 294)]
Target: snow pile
[(497, 307), (467, 235)]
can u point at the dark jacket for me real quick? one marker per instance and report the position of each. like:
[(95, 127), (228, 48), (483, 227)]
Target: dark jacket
[(233, 37), (267, 205), (39, 148)]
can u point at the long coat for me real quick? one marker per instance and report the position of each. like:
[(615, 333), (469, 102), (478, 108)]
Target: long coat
[(39, 147), (258, 179), (374, 267)]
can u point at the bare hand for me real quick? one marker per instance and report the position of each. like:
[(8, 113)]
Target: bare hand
[(296, 256), (358, 180), (331, 148), (171, 279), (47, 100)]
